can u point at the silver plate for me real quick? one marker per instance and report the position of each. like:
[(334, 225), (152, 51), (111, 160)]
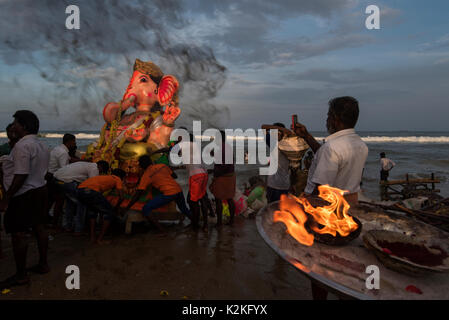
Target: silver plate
[(343, 269)]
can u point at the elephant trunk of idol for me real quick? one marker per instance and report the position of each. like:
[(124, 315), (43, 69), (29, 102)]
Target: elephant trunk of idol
[(111, 109)]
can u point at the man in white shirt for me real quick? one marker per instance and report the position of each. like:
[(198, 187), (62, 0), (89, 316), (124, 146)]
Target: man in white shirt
[(26, 198), (385, 166), (68, 178), (339, 162), (59, 157), (79, 171)]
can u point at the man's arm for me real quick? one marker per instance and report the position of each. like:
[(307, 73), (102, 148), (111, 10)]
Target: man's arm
[(17, 183), (301, 131), (392, 164), (133, 200), (285, 131), (21, 171), (145, 182), (63, 159), (121, 196)]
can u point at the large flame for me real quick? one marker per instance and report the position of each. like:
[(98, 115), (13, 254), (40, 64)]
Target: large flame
[(333, 218)]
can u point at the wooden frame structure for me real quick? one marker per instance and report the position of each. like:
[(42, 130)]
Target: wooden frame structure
[(410, 188)]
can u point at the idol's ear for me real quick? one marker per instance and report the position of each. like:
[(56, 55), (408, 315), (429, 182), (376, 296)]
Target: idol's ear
[(167, 88)]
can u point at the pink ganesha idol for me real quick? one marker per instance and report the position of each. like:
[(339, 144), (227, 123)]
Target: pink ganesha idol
[(125, 137)]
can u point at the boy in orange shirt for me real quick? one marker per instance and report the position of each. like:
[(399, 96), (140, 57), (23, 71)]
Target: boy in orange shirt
[(160, 177), (90, 194)]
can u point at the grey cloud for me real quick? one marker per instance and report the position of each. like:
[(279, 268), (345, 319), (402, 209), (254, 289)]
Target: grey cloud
[(89, 67), (277, 9), (247, 36)]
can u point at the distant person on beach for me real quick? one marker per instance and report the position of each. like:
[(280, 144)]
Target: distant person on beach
[(385, 166), (158, 176), (224, 182), (90, 194), (68, 179), (278, 183), (339, 162), (26, 199)]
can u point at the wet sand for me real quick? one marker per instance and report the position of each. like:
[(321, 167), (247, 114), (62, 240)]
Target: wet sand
[(231, 263)]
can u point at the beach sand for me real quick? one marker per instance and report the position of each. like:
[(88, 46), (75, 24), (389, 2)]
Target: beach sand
[(231, 263)]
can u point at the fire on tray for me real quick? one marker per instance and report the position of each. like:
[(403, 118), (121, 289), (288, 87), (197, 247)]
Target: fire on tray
[(328, 223)]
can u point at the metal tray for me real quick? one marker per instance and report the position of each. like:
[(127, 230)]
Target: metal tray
[(343, 270)]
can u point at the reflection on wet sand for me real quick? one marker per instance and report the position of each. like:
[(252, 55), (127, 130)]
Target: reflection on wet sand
[(228, 263)]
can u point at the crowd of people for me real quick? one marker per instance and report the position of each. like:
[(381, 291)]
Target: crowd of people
[(35, 179)]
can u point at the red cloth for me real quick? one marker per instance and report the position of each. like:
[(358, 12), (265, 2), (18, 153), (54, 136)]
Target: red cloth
[(198, 186)]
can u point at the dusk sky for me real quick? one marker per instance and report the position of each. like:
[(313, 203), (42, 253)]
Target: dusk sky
[(281, 58)]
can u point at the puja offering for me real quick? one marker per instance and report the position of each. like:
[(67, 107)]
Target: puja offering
[(293, 147), (405, 254), (410, 256)]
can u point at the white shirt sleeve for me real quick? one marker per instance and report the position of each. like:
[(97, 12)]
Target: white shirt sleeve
[(63, 158), (22, 160), (326, 168)]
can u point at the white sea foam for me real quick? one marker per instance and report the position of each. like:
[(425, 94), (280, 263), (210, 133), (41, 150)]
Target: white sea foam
[(409, 139), (60, 135), (77, 135), (368, 139)]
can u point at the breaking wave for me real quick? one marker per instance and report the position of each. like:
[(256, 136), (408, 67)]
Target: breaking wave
[(409, 139), (368, 139), (81, 136)]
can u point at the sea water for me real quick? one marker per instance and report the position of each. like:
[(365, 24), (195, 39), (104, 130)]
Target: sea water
[(418, 154)]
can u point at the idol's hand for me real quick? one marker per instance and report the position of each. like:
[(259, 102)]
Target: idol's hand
[(171, 114)]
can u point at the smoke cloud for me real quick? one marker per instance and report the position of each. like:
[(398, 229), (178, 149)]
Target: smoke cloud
[(86, 68)]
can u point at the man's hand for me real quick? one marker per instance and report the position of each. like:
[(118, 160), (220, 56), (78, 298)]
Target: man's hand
[(300, 130)]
